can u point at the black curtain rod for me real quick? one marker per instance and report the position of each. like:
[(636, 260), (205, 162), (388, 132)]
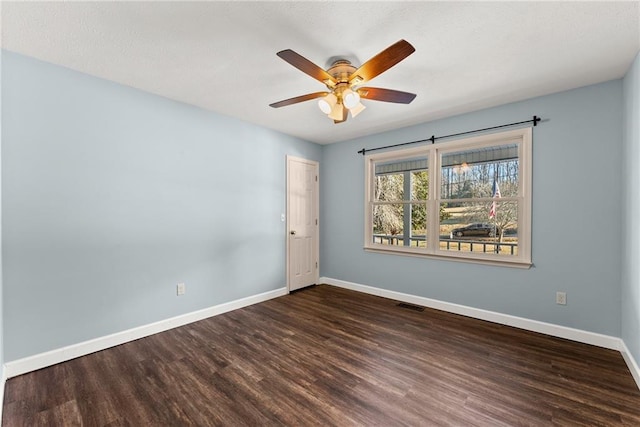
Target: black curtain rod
[(433, 139)]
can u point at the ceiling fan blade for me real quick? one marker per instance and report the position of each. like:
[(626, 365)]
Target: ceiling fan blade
[(297, 99), (306, 66), (386, 95), (382, 62)]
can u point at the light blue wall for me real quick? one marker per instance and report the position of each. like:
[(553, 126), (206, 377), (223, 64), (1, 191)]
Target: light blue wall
[(576, 218), (112, 196), (630, 210)]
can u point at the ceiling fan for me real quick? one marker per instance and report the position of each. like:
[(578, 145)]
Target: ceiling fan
[(343, 80)]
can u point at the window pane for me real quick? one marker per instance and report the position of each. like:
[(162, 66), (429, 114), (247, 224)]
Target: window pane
[(393, 177), (472, 173), (480, 227), (388, 224), (420, 185), (391, 220), (389, 187)]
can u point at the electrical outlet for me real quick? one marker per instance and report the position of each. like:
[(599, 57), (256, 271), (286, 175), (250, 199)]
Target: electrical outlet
[(561, 298), (182, 289)]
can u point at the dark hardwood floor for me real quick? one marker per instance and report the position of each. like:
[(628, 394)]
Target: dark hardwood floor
[(329, 356)]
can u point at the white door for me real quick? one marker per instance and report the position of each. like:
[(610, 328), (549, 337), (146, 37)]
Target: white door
[(302, 223)]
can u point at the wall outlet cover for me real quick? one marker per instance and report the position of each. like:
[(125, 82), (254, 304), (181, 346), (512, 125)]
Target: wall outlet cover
[(182, 289)]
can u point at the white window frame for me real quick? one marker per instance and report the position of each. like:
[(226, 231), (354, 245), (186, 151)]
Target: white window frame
[(434, 152)]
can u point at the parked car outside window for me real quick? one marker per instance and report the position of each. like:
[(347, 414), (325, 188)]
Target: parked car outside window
[(476, 229)]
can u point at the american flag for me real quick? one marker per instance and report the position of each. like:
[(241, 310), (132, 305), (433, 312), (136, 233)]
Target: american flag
[(496, 195)]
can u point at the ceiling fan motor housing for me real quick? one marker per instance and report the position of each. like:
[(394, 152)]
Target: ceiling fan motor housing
[(341, 70)]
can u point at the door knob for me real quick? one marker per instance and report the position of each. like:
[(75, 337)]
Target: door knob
[(293, 233)]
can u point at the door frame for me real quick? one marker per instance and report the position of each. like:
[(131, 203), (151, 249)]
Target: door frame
[(316, 236)]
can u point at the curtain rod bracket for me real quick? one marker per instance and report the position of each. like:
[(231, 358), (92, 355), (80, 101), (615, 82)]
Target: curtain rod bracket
[(432, 139)]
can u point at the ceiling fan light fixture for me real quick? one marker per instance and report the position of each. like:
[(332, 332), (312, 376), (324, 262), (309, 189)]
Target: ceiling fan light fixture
[(336, 112), (328, 103), (343, 80), (350, 98), (359, 108)]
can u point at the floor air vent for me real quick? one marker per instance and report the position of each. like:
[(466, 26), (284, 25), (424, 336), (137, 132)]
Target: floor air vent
[(410, 306)]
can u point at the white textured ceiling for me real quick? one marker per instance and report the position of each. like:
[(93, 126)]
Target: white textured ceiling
[(221, 56)]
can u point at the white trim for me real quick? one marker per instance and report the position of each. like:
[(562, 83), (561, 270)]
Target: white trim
[(631, 362), (579, 335), (451, 256), (42, 360)]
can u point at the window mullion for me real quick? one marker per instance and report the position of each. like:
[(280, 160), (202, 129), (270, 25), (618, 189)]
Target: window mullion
[(406, 220), (433, 225)]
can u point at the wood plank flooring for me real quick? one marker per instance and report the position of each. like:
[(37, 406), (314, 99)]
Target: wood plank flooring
[(332, 357)]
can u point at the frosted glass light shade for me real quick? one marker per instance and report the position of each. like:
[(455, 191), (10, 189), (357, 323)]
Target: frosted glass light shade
[(327, 103), (350, 98), (336, 113), (357, 109)]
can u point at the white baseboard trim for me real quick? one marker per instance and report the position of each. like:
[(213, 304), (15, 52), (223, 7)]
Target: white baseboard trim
[(592, 338), (631, 362), (42, 360)]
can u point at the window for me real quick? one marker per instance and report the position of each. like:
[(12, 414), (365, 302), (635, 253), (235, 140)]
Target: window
[(468, 199)]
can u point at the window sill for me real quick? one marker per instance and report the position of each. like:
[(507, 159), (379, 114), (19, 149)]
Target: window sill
[(455, 258)]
